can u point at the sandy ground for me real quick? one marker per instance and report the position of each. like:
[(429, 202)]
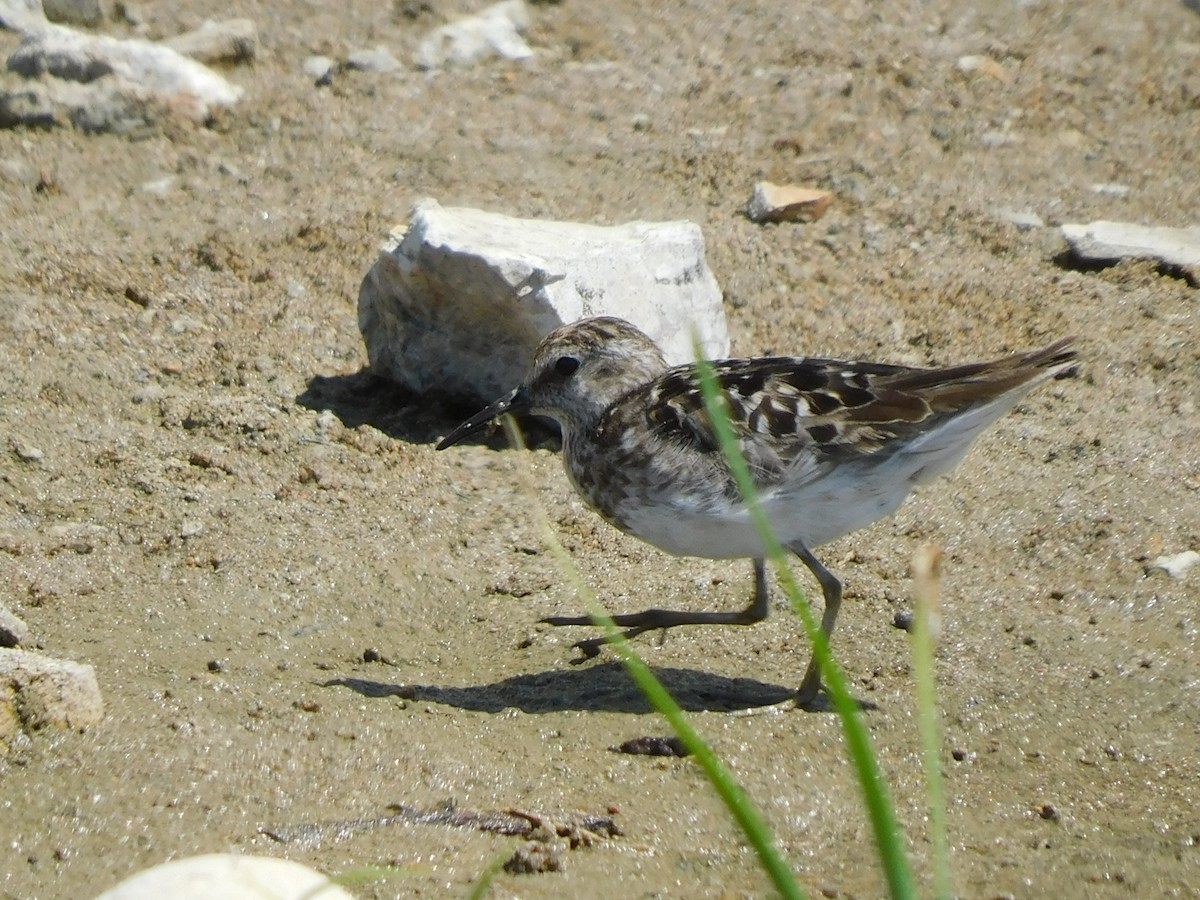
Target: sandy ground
[(248, 511)]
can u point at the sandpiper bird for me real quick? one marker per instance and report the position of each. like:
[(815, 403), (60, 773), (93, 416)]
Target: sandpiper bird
[(832, 446)]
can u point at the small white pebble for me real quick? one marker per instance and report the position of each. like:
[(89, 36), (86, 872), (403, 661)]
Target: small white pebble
[(28, 453), (1177, 564)]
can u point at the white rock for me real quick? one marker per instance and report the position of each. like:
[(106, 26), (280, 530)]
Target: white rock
[(43, 691), (456, 304), (319, 69), (229, 41), (146, 68), (228, 876), (21, 15), (1103, 240), (1110, 189), (1177, 564), (496, 31)]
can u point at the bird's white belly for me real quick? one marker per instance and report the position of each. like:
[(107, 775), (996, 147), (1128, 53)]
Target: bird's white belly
[(811, 515)]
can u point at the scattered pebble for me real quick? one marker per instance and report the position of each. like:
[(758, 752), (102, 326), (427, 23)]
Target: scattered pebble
[(654, 746), (27, 452), (1104, 241), (13, 631), (1111, 190), (191, 528), (19, 171), (1176, 565), (995, 139), (230, 41), (495, 31), (903, 619), (984, 65), (1024, 220), (1048, 812), (227, 168), (320, 69), (159, 187), (376, 60), (536, 857), (39, 691), (787, 203)]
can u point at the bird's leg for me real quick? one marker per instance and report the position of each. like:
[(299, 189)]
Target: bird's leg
[(650, 619), (832, 589)]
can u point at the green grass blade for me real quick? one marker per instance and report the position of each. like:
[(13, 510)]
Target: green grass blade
[(731, 793), (483, 883), (888, 837)]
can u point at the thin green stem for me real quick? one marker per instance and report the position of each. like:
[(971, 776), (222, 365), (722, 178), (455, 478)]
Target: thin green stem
[(924, 635), (888, 837)]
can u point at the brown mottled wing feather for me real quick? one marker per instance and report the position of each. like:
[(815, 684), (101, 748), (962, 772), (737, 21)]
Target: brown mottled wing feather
[(825, 411)]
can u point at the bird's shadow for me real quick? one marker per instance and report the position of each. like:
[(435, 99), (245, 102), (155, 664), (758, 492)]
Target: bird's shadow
[(364, 398), (601, 688)]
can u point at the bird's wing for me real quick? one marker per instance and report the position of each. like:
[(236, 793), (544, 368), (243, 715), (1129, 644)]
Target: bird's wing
[(793, 414)]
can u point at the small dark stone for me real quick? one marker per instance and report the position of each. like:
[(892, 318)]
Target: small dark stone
[(654, 746), (959, 755), (535, 857), (903, 620), (216, 665), (372, 655)]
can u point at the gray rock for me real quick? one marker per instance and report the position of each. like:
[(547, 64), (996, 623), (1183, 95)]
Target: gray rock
[(455, 305), (1023, 219), (136, 69), (1102, 241), (496, 31), (13, 631), (88, 13), (230, 41), (105, 105), (377, 60), (37, 692)]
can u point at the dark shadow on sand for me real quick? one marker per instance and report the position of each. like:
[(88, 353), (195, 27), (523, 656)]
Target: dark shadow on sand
[(363, 398), (601, 688)]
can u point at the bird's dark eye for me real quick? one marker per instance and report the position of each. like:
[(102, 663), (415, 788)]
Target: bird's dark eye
[(566, 365)]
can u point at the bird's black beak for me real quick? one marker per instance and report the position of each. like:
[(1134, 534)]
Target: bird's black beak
[(515, 402)]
